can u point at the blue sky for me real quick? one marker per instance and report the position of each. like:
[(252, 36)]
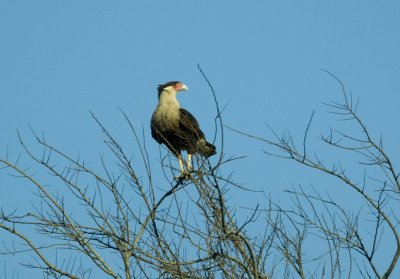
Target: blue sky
[(60, 59)]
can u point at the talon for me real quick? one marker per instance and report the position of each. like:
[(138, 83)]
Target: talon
[(183, 177)]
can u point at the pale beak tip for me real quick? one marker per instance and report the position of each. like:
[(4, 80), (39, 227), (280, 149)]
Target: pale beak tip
[(184, 87)]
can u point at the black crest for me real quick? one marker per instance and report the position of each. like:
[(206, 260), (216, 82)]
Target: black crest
[(161, 87)]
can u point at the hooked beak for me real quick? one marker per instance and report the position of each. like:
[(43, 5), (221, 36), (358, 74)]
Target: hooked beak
[(184, 87)]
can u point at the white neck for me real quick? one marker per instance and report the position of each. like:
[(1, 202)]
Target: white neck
[(168, 100), (167, 111)]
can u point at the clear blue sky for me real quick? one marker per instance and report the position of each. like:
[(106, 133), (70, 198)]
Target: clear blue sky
[(60, 59)]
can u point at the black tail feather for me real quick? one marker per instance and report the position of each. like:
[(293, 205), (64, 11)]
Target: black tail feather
[(206, 149)]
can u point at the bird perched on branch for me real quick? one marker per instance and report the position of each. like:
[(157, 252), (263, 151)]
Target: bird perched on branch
[(177, 128)]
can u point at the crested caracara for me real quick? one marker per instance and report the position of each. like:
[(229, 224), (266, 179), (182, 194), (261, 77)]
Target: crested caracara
[(177, 128)]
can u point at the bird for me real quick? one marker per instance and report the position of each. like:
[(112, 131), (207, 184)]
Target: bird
[(177, 128)]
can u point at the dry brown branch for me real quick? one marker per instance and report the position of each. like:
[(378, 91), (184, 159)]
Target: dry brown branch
[(118, 219)]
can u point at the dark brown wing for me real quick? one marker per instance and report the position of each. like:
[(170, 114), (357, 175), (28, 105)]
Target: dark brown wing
[(155, 133), (167, 137), (189, 127)]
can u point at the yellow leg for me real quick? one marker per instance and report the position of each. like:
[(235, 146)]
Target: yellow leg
[(189, 162), (181, 164)]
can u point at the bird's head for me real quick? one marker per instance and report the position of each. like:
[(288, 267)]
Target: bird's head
[(171, 86)]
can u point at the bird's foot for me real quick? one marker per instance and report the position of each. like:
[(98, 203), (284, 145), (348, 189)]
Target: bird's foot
[(184, 176)]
